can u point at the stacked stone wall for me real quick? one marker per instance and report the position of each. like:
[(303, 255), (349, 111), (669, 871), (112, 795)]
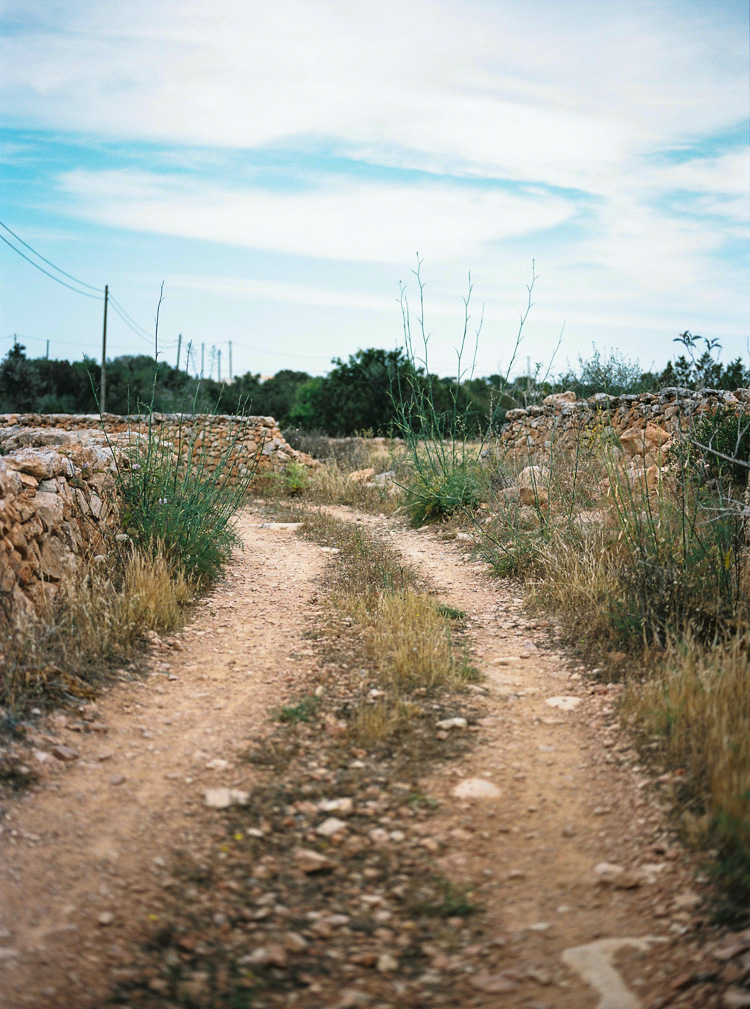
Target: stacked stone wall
[(563, 423), (58, 488), (57, 505), (207, 436)]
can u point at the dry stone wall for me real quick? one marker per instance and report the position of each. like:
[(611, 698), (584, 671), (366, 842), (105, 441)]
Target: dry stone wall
[(253, 436), (57, 503), (58, 492), (640, 422)]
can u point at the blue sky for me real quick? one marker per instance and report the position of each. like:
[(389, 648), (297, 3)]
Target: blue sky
[(280, 164)]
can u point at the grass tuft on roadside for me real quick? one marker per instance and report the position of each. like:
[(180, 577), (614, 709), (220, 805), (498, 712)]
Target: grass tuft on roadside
[(405, 643), (97, 618)]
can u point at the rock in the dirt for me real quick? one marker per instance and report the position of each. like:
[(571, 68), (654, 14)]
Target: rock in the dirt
[(265, 956), (494, 984), (65, 752), (351, 998), (223, 798), (330, 827), (106, 918), (735, 998), (607, 872), (117, 779), (344, 806), (476, 788), (593, 962), (563, 703), (310, 861), (386, 963), (294, 942), (452, 723)]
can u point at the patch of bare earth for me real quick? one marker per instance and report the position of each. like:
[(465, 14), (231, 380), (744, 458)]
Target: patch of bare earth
[(523, 861)]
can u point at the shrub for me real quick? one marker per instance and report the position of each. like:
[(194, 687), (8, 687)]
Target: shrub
[(179, 504), (436, 492), (444, 444), (719, 445)]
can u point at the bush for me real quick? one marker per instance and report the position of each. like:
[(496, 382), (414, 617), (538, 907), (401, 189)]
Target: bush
[(178, 505), (444, 445), (719, 445), (435, 493)]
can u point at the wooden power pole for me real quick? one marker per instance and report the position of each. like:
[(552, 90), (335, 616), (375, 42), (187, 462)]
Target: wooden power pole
[(103, 390), (179, 348)]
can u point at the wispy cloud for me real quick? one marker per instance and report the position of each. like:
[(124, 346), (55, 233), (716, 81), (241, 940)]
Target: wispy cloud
[(602, 138), (340, 219)]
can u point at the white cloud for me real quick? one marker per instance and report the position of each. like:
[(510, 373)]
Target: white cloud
[(559, 92), (338, 220)]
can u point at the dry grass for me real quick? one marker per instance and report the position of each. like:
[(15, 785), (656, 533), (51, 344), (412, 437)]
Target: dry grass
[(96, 618), (339, 479), (647, 581), (693, 711), (404, 639)]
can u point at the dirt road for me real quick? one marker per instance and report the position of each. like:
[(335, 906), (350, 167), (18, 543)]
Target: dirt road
[(585, 896)]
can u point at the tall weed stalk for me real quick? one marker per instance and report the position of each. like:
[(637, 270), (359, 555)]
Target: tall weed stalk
[(443, 448)]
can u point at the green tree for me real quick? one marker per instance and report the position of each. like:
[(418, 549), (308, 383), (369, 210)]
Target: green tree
[(356, 395), (19, 381)]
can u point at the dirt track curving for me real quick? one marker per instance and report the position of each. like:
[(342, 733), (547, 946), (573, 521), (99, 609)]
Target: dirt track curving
[(84, 855)]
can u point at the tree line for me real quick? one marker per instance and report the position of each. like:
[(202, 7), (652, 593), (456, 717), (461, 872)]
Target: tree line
[(358, 394)]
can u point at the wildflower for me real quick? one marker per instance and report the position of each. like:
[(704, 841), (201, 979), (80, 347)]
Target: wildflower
[(163, 500)]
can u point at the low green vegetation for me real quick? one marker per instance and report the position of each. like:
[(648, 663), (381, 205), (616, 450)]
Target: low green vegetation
[(362, 393), (180, 503)]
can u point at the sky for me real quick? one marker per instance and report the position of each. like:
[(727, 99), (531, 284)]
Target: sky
[(281, 166)]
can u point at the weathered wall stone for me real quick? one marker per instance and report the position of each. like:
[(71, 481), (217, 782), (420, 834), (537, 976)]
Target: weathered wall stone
[(208, 436), (641, 424), (58, 492), (47, 525)]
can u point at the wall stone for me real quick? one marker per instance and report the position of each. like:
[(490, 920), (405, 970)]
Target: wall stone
[(639, 422), (58, 492), (213, 434), (56, 506)]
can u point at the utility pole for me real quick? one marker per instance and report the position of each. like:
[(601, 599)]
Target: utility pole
[(219, 363), (47, 354), (15, 339), (203, 356), (179, 348), (103, 391), (230, 362)]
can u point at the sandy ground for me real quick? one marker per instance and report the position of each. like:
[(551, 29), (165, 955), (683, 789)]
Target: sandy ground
[(82, 854)]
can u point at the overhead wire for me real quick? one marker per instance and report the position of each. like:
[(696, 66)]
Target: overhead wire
[(130, 319), (130, 325), (49, 262), (41, 269)]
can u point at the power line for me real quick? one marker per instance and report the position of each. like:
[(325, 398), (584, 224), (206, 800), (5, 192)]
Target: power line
[(41, 269), (281, 353), (132, 326), (20, 338), (48, 262), (131, 320)]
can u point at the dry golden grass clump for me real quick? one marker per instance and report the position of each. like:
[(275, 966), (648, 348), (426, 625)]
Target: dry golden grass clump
[(364, 473), (97, 618), (405, 638), (646, 569)]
